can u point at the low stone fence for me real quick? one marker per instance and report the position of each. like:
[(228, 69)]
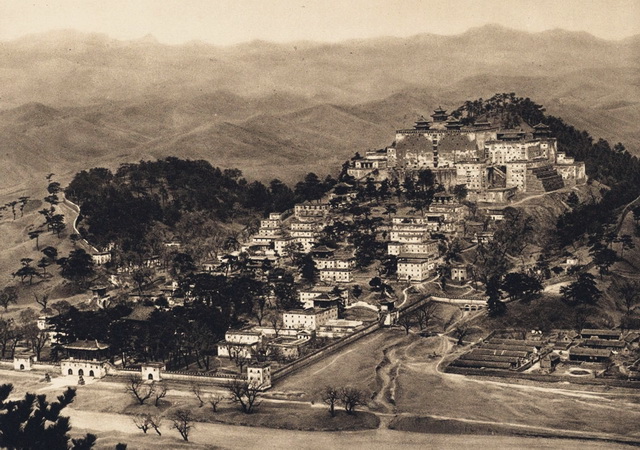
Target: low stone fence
[(323, 352), (50, 366), (178, 375), (217, 378)]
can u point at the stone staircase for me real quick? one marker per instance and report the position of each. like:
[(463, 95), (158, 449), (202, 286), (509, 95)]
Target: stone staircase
[(543, 179)]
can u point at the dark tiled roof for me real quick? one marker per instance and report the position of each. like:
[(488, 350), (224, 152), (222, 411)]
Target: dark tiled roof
[(600, 332), (584, 351), (86, 345)]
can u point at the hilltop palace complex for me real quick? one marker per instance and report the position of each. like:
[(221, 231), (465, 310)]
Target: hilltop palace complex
[(493, 163)]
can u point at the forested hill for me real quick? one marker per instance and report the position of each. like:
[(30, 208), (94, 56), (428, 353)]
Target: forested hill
[(142, 205), (613, 166), (608, 165)]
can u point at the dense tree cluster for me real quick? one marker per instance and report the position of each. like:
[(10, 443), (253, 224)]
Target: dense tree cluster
[(35, 423), (126, 206)]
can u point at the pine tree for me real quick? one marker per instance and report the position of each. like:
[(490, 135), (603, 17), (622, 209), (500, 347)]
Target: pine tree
[(34, 423)]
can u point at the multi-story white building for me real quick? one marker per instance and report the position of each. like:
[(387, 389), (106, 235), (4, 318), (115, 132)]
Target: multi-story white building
[(315, 208), (415, 268), (429, 248), (242, 342), (338, 328), (308, 319), (334, 263), (336, 275)]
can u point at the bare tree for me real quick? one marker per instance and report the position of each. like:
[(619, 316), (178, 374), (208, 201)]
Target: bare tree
[(259, 308), (139, 390), (276, 323), (214, 401), (330, 396), (142, 422), (8, 295), (425, 314), (460, 332), (351, 398), (246, 394), (155, 422), (406, 321), (42, 299), (182, 422), (197, 391), (159, 394)]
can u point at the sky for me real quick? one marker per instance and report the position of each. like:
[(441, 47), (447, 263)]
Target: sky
[(227, 22)]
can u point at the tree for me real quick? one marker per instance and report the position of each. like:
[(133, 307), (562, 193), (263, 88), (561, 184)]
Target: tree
[(604, 258), (61, 307), (13, 204), (627, 243), (583, 291), (406, 322), (51, 253), (573, 200), (9, 336), (495, 306), (43, 264), (276, 323), (8, 295), (159, 394), (425, 314), (259, 306), (182, 420), (389, 209), (515, 231), (35, 234), (629, 293), (460, 191), (77, 267), (197, 391), (351, 398), (56, 224), (155, 422), (42, 299), (461, 331), (27, 270), (35, 423), (142, 276), (331, 396), (307, 268), (214, 401), (521, 286), (35, 337), (138, 389), (182, 266), (23, 203), (141, 422), (244, 393)]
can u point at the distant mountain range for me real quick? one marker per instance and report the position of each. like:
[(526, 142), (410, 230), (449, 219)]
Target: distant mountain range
[(70, 100)]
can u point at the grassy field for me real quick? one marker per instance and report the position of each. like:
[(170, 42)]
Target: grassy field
[(354, 366), (424, 391), (17, 245)]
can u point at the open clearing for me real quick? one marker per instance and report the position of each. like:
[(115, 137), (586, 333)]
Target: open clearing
[(424, 407)]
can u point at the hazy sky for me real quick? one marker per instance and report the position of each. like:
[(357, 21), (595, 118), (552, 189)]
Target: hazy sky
[(231, 21)]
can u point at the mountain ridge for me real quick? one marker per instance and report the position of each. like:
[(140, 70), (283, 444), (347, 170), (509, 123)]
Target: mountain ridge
[(295, 107)]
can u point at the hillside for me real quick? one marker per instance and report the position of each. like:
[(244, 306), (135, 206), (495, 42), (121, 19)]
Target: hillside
[(71, 100)]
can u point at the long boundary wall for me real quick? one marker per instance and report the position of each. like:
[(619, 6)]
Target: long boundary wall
[(323, 352)]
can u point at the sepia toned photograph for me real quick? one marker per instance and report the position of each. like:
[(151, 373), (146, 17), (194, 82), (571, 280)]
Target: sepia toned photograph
[(306, 224)]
